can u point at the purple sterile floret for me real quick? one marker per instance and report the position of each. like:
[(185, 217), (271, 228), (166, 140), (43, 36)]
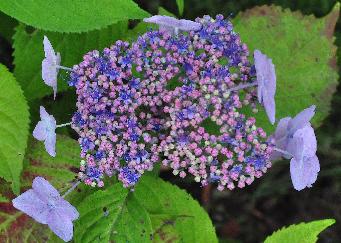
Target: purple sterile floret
[(266, 79), (45, 205), (287, 127), (301, 120), (304, 165), (173, 25), (45, 131), (50, 66), (295, 139)]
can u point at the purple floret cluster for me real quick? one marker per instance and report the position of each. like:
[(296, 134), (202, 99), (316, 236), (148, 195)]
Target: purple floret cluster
[(169, 98)]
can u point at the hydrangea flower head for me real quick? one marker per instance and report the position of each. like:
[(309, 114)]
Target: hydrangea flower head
[(50, 65), (45, 205), (266, 79), (173, 25), (45, 131), (304, 165), (130, 114)]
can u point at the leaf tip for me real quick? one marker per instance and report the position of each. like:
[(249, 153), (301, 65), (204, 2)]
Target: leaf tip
[(331, 19), (337, 6), (329, 222)]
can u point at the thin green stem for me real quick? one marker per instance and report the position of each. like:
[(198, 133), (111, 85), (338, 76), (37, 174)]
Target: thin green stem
[(283, 152), (65, 68), (243, 86), (71, 189), (64, 125)]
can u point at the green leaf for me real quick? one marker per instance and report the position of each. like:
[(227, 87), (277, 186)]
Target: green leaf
[(185, 215), (15, 226), (7, 25), (29, 53), (155, 211), (181, 6), (304, 55), (126, 219), (3, 199), (59, 170), (301, 233), (14, 122), (72, 16)]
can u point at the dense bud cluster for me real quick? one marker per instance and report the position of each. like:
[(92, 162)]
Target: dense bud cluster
[(157, 100)]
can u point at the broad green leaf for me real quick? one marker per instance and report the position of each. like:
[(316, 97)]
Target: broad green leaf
[(72, 16), (155, 211), (14, 122), (164, 228), (3, 199), (186, 217), (29, 53), (300, 233), (59, 170), (126, 220), (304, 55), (181, 5), (7, 25), (15, 226)]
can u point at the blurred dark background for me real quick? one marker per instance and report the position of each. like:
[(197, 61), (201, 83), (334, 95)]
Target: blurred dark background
[(250, 214)]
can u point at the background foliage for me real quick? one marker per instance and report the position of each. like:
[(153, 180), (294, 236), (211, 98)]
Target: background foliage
[(303, 50)]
